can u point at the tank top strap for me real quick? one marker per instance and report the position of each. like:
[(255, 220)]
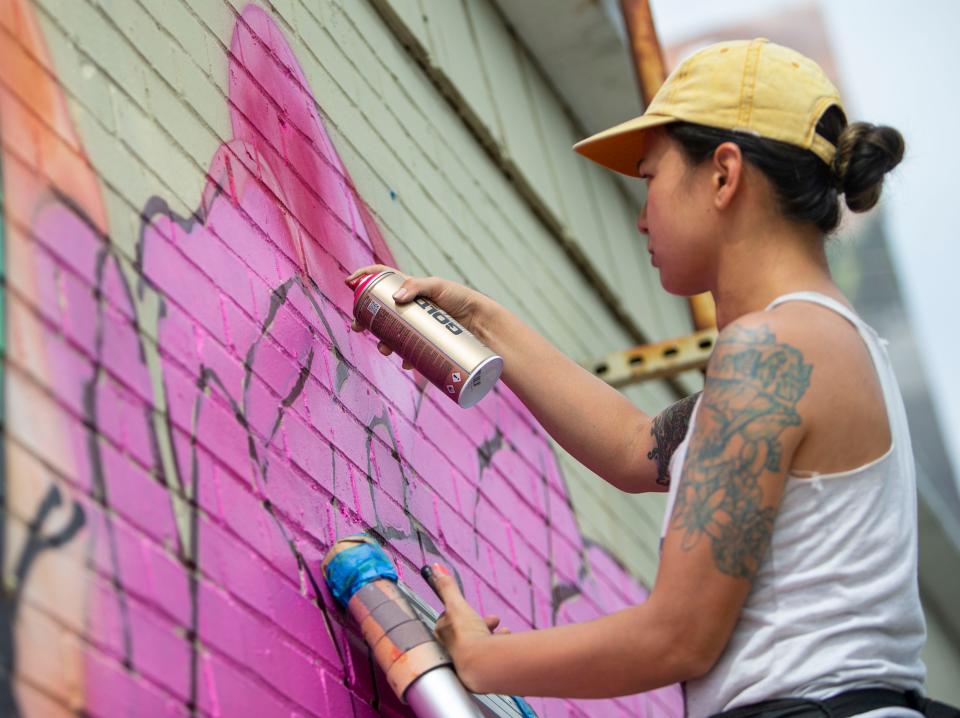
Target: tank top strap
[(822, 300)]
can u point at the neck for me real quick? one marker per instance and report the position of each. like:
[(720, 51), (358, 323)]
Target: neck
[(757, 266)]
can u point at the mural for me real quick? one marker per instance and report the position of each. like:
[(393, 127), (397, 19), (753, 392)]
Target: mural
[(188, 429)]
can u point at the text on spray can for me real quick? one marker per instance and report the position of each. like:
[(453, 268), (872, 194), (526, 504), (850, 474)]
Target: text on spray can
[(448, 355)]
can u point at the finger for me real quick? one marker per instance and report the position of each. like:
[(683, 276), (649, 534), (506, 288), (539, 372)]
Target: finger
[(384, 349), (407, 365), (356, 326), (503, 630), (492, 622), (352, 278), (444, 586), (414, 287)]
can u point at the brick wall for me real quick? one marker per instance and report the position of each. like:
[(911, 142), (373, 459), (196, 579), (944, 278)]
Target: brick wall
[(188, 421)]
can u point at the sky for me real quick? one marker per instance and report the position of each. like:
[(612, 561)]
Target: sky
[(899, 64)]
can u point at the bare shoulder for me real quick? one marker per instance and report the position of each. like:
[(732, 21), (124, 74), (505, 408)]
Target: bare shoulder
[(841, 409), (797, 324), (762, 365), (824, 338), (766, 347)]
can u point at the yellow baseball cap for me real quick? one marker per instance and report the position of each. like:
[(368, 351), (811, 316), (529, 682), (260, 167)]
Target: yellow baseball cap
[(751, 86)]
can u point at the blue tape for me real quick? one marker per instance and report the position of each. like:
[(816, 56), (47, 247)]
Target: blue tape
[(524, 707), (354, 568)]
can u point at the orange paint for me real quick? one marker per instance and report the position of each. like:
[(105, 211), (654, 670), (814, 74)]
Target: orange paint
[(42, 158)]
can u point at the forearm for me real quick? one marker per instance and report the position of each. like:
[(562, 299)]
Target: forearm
[(593, 421), (624, 653)]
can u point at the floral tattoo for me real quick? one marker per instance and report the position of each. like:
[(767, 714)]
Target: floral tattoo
[(753, 386)]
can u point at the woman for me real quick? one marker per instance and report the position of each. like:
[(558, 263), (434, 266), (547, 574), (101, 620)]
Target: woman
[(788, 558)]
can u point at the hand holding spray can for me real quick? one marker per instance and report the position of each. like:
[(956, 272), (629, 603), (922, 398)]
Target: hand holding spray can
[(448, 355)]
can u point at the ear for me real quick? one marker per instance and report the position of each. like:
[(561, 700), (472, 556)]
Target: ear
[(726, 173)]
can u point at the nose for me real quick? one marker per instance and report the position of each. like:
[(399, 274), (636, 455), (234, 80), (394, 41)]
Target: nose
[(642, 220)]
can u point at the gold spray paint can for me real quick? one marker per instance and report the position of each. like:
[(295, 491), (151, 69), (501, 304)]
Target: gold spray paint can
[(448, 355)]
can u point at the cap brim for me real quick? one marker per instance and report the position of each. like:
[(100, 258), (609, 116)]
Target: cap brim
[(621, 147)]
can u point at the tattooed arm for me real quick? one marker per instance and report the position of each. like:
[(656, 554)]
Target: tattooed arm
[(748, 426), (747, 430), (667, 430)]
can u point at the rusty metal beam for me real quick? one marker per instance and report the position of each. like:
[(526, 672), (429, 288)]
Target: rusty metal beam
[(655, 361)]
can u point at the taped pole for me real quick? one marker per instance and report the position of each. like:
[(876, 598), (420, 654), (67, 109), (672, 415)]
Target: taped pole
[(362, 578)]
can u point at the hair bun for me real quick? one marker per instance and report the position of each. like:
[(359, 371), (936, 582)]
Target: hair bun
[(865, 153)]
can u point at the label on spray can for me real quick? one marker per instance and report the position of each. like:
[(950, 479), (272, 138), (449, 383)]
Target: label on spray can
[(448, 355)]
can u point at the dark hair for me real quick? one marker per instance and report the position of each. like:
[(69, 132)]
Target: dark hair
[(806, 187)]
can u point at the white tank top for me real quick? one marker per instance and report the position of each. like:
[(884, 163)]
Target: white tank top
[(835, 603)]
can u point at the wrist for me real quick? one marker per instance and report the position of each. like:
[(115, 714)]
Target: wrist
[(467, 660), (483, 317)]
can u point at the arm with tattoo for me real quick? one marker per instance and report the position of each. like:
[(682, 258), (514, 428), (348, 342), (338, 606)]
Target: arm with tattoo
[(667, 431), (754, 384), (747, 429)]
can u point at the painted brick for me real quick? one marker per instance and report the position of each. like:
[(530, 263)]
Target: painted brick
[(29, 356), (349, 437), (185, 285), (309, 451), (137, 496), (33, 702), (154, 91), (353, 488), (301, 498), (247, 518), (128, 693), (139, 565), (504, 499), (221, 433), (424, 504), (226, 691), (510, 583), (252, 641)]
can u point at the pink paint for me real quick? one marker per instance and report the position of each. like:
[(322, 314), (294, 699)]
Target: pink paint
[(253, 288)]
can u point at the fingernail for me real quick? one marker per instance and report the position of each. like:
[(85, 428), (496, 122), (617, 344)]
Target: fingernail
[(400, 295), (442, 570), (427, 573)]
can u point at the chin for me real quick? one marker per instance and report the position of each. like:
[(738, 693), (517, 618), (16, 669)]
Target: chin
[(681, 286)]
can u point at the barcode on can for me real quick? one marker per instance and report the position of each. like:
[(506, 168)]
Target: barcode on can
[(374, 307)]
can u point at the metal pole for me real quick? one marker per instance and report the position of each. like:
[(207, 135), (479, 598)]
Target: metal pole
[(440, 694)]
